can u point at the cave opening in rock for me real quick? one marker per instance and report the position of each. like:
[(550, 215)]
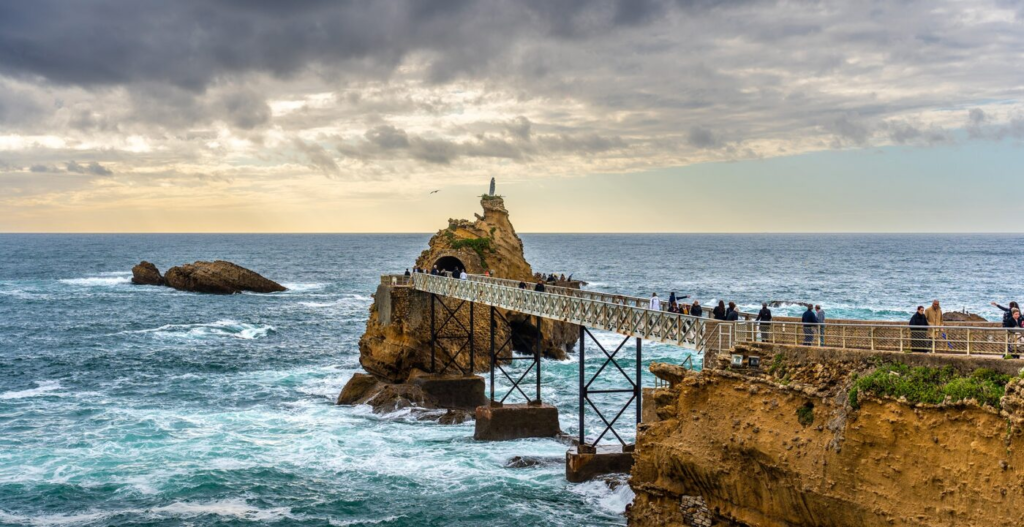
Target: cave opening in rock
[(449, 263)]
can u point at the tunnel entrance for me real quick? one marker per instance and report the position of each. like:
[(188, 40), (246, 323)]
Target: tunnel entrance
[(449, 263)]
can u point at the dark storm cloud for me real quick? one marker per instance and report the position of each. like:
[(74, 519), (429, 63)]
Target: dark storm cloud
[(517, 142), (190, 43)]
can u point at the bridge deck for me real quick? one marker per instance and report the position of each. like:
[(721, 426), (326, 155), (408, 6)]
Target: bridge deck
[(602, 311)]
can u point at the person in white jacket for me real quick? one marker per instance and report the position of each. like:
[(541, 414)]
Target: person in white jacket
[(655, 302)]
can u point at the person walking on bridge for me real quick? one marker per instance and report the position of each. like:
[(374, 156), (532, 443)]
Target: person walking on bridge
[(732, 314), (919, 337), (764, 316), (934, 315), (819, 313), (719, 312), (655, 302), (810, 320)]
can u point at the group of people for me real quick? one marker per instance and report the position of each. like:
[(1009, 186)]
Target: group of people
[(454, 273), (551, 278)]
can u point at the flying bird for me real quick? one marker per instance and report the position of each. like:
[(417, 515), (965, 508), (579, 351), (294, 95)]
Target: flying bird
[(435, 191)]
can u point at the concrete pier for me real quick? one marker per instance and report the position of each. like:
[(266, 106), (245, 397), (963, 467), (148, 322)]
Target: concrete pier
[(496, 422), (452, 392), (584, 463)]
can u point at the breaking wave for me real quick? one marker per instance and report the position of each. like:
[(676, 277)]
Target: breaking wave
[(219, 329), (42, 388)]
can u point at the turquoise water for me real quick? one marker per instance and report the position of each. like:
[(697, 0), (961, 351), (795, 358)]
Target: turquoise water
[(130, 405)]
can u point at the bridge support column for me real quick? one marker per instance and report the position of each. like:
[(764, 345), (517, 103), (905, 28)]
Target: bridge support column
[(501, 421), (590, 458)]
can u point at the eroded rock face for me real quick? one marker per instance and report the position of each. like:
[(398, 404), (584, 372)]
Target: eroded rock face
[(219, 277), (146, 273), (785, 448), (397, 337)]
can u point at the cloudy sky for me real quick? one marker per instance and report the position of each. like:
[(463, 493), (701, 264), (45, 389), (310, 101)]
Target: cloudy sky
[(628, 115)]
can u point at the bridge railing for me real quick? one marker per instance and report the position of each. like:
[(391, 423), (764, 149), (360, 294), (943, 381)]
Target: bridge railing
[(886, 337), (583, 308)]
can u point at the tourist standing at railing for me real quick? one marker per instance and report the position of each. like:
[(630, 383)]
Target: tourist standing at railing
[(919, 337), (407, 273), (655, 304), (934, 315), (810, 320), (719, 312), (539, 287), (434, 271), (696, 310), (732, 314), (522, 285), (764, 316), (463, 275), (819, 313)]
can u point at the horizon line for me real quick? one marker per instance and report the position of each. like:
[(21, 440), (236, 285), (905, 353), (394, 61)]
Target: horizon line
[(669, 233)]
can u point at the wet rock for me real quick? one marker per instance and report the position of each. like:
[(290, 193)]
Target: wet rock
[(531, 461), (146, 274), (219, 277), (455, 417), (357, 388)]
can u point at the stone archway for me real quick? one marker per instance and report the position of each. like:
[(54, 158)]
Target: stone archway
[(449, 263)]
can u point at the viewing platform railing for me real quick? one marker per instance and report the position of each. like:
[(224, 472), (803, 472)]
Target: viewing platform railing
[(631, 316), (886, 337)]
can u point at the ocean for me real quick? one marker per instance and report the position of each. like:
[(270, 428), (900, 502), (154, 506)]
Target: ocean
[(135, 405)]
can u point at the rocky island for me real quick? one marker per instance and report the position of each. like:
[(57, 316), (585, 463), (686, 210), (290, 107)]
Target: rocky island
[(217, 277), (395, 348)]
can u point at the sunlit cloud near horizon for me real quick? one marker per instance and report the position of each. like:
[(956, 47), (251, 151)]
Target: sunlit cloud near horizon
[(594, 116)]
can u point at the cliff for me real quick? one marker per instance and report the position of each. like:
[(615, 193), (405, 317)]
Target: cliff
[(833, 438)]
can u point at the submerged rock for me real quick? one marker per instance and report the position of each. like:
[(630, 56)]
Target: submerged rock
[(219, 277), (146, 274)]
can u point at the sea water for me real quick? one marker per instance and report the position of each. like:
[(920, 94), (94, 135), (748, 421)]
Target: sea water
[(135, 405)]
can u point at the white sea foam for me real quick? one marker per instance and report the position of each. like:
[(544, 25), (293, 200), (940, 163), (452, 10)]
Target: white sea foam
[(221, 328), (42, 388), (97, 281), (607, 499), (345, 523), (302, 287), (237, 508)]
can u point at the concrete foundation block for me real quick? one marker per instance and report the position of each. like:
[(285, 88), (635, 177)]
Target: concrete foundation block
[(452, 392), (586, 463), (516, 421)]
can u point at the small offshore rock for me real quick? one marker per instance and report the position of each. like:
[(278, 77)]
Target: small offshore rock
[(146, 273)]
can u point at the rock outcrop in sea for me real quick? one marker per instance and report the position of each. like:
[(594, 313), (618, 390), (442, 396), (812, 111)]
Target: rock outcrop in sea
[(396, 343), (217, 277)]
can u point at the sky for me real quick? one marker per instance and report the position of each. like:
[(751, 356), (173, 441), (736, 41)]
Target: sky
[(593, 115)]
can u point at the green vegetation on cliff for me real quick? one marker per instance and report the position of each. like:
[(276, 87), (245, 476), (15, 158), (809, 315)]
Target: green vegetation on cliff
[(931, 385)]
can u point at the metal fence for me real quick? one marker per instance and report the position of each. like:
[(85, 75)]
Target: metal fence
[(886, 337)]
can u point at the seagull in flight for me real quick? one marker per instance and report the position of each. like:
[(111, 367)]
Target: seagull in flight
[(435, 191)]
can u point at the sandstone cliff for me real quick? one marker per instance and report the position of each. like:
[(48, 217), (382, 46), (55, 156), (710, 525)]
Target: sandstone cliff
[(787, 445)]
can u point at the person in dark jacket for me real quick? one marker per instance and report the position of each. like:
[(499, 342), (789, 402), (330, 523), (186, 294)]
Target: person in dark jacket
[(522, 285), (732, 314), (407, 273), (434, 271), (696, 310), (1007, 312), (919, 337), (764, 316), (810, 320), (719, 312), (539, 287)]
